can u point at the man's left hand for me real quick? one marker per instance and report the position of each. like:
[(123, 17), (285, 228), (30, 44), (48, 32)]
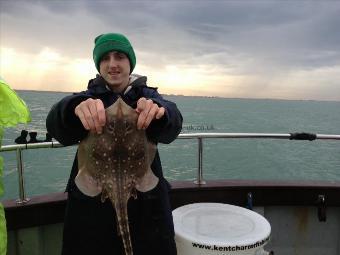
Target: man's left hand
[(148, 111)]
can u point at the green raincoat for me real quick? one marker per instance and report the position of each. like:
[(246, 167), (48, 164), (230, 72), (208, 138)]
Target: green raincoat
[(13, 110)]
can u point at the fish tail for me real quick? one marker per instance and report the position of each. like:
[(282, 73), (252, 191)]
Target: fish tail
[(123, 226)]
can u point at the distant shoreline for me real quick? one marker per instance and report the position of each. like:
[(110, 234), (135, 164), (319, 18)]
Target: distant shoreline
[(179, 95)]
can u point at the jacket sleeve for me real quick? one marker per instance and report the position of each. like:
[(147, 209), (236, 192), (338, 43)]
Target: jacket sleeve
[(63, 124), (166, 129)]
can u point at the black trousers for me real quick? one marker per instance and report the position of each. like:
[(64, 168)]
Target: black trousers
[(90, 226)]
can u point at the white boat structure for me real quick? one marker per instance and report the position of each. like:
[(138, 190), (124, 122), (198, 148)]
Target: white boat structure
[(304, 216)]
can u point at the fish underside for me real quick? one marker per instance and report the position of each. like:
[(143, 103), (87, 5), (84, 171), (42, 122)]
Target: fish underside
[(117, 162)]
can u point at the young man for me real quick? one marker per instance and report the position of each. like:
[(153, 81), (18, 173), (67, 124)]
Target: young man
[(90, 225)]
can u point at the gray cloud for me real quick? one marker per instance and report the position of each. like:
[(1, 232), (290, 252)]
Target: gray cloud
[(241, 37), (244, 26)]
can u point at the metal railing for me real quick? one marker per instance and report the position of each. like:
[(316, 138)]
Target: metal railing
[(199, 136)]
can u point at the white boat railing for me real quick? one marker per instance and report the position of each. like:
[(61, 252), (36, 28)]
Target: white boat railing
[(199, 136)]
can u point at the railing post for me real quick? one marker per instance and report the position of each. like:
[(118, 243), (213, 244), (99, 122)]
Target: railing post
[(200, 180), (22, 194)]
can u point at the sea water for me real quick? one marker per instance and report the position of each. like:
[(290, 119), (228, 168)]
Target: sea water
[(47, 170)]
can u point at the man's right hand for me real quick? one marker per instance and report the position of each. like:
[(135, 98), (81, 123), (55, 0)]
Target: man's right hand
[(91, 113)]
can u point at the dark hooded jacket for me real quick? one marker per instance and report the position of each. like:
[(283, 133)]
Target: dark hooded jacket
[(67, 129)]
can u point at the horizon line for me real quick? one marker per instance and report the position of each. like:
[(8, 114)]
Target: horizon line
[(220, 97)]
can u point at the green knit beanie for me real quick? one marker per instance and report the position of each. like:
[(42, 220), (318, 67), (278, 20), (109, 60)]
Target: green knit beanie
[(113, 42)]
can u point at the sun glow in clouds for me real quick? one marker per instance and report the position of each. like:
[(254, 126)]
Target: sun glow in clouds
[(51, 70), (188, 80), (47, 60), (47, 70), (174, 78)]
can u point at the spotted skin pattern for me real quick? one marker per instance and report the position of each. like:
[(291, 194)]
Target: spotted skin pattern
[(117, 160)]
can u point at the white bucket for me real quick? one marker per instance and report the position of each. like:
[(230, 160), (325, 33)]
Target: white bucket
[(219, 229)]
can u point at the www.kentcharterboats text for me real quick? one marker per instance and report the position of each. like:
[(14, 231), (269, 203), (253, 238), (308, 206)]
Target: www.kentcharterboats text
[(230, 248)]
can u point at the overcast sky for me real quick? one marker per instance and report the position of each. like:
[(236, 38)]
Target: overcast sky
[(248, 49)]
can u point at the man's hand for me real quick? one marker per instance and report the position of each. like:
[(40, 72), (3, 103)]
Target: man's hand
[(148, 111), (91, 113)]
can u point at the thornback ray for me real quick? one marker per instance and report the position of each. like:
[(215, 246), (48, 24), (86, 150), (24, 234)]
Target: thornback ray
[(116, 163)]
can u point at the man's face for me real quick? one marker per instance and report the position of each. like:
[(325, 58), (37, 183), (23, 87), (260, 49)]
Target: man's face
[(115, 69)]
